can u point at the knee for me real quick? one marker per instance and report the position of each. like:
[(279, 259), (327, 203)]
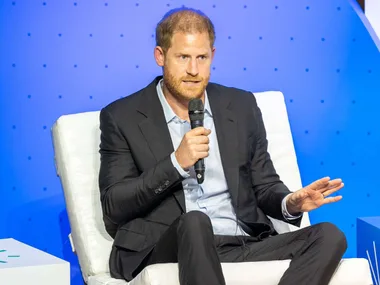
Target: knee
[(332, 236), (195, 220)]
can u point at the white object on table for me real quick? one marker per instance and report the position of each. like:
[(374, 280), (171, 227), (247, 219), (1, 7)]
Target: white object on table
[(22, 264)]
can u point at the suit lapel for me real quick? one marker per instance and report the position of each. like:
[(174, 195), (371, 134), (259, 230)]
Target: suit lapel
[(155, 130), (225, 123)]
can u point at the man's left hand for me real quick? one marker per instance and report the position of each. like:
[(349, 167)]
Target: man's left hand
[(314, 195)]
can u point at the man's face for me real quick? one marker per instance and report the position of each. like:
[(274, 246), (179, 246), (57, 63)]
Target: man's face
[(186, 65)]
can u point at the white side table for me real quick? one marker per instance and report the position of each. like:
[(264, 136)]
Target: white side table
[(21, 264)]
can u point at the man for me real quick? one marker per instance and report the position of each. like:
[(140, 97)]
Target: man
[(153, 206)]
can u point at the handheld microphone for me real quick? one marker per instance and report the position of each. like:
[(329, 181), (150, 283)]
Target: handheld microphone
[(196, 114)]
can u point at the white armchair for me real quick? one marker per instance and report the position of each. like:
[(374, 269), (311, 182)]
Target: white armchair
[(76, 143)]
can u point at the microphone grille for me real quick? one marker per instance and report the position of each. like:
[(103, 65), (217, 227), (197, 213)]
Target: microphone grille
[(196, 109)]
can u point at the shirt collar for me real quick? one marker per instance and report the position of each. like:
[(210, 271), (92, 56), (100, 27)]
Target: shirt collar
[(168, 111)]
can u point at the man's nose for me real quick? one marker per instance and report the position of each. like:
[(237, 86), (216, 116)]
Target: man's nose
[(192, 68)]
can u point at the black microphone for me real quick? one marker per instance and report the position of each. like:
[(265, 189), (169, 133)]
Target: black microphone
[(196, 114)]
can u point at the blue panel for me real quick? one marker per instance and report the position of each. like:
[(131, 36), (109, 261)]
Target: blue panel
[(373, 221), (368, 234), (60, 57)]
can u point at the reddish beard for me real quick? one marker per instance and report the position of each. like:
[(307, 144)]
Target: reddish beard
[(178, 90)]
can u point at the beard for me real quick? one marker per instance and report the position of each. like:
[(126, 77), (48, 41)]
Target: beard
[(181, 90)]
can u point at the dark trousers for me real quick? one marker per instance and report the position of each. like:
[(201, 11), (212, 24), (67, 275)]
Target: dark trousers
[(314, 251)]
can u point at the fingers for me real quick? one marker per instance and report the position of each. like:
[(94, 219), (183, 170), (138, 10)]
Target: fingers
[(201, 147), (330, 200), (198, 136), (330, 185), (332, 190), (325, 184), (199, 140), (320, 183), (194, 146), (199, 131), (203, 154), (323, 181)]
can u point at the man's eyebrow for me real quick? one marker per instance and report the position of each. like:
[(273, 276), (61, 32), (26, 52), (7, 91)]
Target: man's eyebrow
[(181, 53)]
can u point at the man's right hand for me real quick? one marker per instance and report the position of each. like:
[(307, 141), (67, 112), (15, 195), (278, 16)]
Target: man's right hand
[(194, 146)]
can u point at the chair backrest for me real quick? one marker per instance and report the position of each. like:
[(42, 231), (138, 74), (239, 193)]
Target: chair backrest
[(281, 147), (76, 141)]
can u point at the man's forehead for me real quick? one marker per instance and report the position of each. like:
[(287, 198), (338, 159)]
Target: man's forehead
[(182, 40)]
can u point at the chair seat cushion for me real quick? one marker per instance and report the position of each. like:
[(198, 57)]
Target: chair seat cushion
[(354, 271)]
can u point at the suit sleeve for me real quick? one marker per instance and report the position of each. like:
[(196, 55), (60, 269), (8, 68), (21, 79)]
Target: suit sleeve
[(269, 189), (126, 193)]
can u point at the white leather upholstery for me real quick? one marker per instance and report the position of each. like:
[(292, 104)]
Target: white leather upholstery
[(76, 142), (349, 272)]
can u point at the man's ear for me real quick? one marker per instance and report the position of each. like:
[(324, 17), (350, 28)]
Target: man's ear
[(213, 53), (159, 56)]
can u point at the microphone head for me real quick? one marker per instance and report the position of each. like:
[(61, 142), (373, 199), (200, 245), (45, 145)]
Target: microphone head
[(196, 110)]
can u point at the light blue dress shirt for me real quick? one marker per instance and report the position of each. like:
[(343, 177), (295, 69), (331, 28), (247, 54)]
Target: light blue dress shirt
[(212, 196)]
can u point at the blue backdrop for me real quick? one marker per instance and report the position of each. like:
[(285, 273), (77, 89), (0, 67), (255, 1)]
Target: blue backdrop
[(60, 57)]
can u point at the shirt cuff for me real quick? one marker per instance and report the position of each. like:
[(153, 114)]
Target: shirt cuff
[(285, 212), (184, 174)]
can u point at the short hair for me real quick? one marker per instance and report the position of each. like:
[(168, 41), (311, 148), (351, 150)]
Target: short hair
[(185, 20)]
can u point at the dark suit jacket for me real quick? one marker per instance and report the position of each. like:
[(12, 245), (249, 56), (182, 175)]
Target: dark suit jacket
[(141, 191)]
